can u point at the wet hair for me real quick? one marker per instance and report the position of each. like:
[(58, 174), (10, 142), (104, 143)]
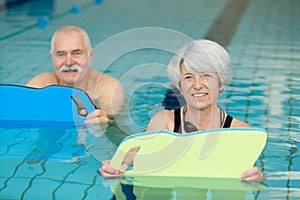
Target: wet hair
[(69, 29), (200, 56)]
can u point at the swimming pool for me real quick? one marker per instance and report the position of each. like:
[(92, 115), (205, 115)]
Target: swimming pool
[(264, 90)]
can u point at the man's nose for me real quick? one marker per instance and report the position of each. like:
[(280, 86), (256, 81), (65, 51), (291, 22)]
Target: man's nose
[(69, 60)]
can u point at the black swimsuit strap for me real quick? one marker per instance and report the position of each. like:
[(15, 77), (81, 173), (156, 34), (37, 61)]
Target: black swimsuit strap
[(227, 122), (177, 120)]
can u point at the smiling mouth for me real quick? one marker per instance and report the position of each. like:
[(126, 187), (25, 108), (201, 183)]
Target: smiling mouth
[(199, 95), (70, 70)]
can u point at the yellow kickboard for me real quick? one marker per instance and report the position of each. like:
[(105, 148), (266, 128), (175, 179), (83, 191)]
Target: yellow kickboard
[(219, 153)]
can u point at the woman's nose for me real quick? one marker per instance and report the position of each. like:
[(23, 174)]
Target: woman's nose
[(198, 82)]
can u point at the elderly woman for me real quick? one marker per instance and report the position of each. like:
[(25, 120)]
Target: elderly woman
[(200, 71)]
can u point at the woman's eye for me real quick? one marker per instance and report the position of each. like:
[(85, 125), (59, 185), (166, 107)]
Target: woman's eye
[(206, 75), (187, 77)]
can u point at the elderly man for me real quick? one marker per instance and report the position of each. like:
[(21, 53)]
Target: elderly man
[(72, 57)]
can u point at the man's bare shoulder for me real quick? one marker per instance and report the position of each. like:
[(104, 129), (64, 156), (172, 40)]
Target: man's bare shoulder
[(107, 92), (43, 80), (104, 78), (106, 83)]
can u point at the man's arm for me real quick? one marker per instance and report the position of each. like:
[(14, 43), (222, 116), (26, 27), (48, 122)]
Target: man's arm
[(112, 97)]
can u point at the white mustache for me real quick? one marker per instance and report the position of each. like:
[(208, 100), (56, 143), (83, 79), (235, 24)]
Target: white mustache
[(70, 68)]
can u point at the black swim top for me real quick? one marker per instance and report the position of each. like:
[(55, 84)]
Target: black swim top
[(177, 120)]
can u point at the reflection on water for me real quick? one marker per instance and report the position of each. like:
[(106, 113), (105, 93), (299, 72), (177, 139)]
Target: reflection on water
[(183, 188), (41, 144)]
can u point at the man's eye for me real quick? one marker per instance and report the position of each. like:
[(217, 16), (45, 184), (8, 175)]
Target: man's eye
[(60, 54), (77, 54)]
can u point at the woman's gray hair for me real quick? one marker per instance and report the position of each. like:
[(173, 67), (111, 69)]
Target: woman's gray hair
[(68, 29), (200, 56)]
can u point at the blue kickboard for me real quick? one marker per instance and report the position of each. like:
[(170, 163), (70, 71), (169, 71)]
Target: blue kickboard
[(52, 107)]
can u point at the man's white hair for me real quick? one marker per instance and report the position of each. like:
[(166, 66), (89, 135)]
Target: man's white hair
[(70, 29)]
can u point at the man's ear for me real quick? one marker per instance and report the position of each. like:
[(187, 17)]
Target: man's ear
[(91, 56), (92, 53)]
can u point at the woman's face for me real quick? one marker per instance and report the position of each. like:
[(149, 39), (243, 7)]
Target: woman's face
[(200, 90)]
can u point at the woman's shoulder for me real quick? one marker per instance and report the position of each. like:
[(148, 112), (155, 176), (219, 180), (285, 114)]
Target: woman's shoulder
[(162, 120), (165, 112), (239, 124)]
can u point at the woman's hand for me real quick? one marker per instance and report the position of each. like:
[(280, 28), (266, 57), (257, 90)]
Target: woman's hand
[(253, 175), (108, 172)]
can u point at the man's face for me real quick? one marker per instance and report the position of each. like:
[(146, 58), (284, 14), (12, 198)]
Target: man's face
[(70, 57)]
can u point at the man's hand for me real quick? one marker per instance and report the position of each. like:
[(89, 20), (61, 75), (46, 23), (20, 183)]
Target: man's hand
[(98, 116)]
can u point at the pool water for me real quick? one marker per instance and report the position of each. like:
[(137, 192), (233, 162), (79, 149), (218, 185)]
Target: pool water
[(264, 91)]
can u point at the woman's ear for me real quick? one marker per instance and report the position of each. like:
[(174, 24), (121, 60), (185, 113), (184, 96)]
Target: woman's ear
[(180, 89), (221, 88)]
